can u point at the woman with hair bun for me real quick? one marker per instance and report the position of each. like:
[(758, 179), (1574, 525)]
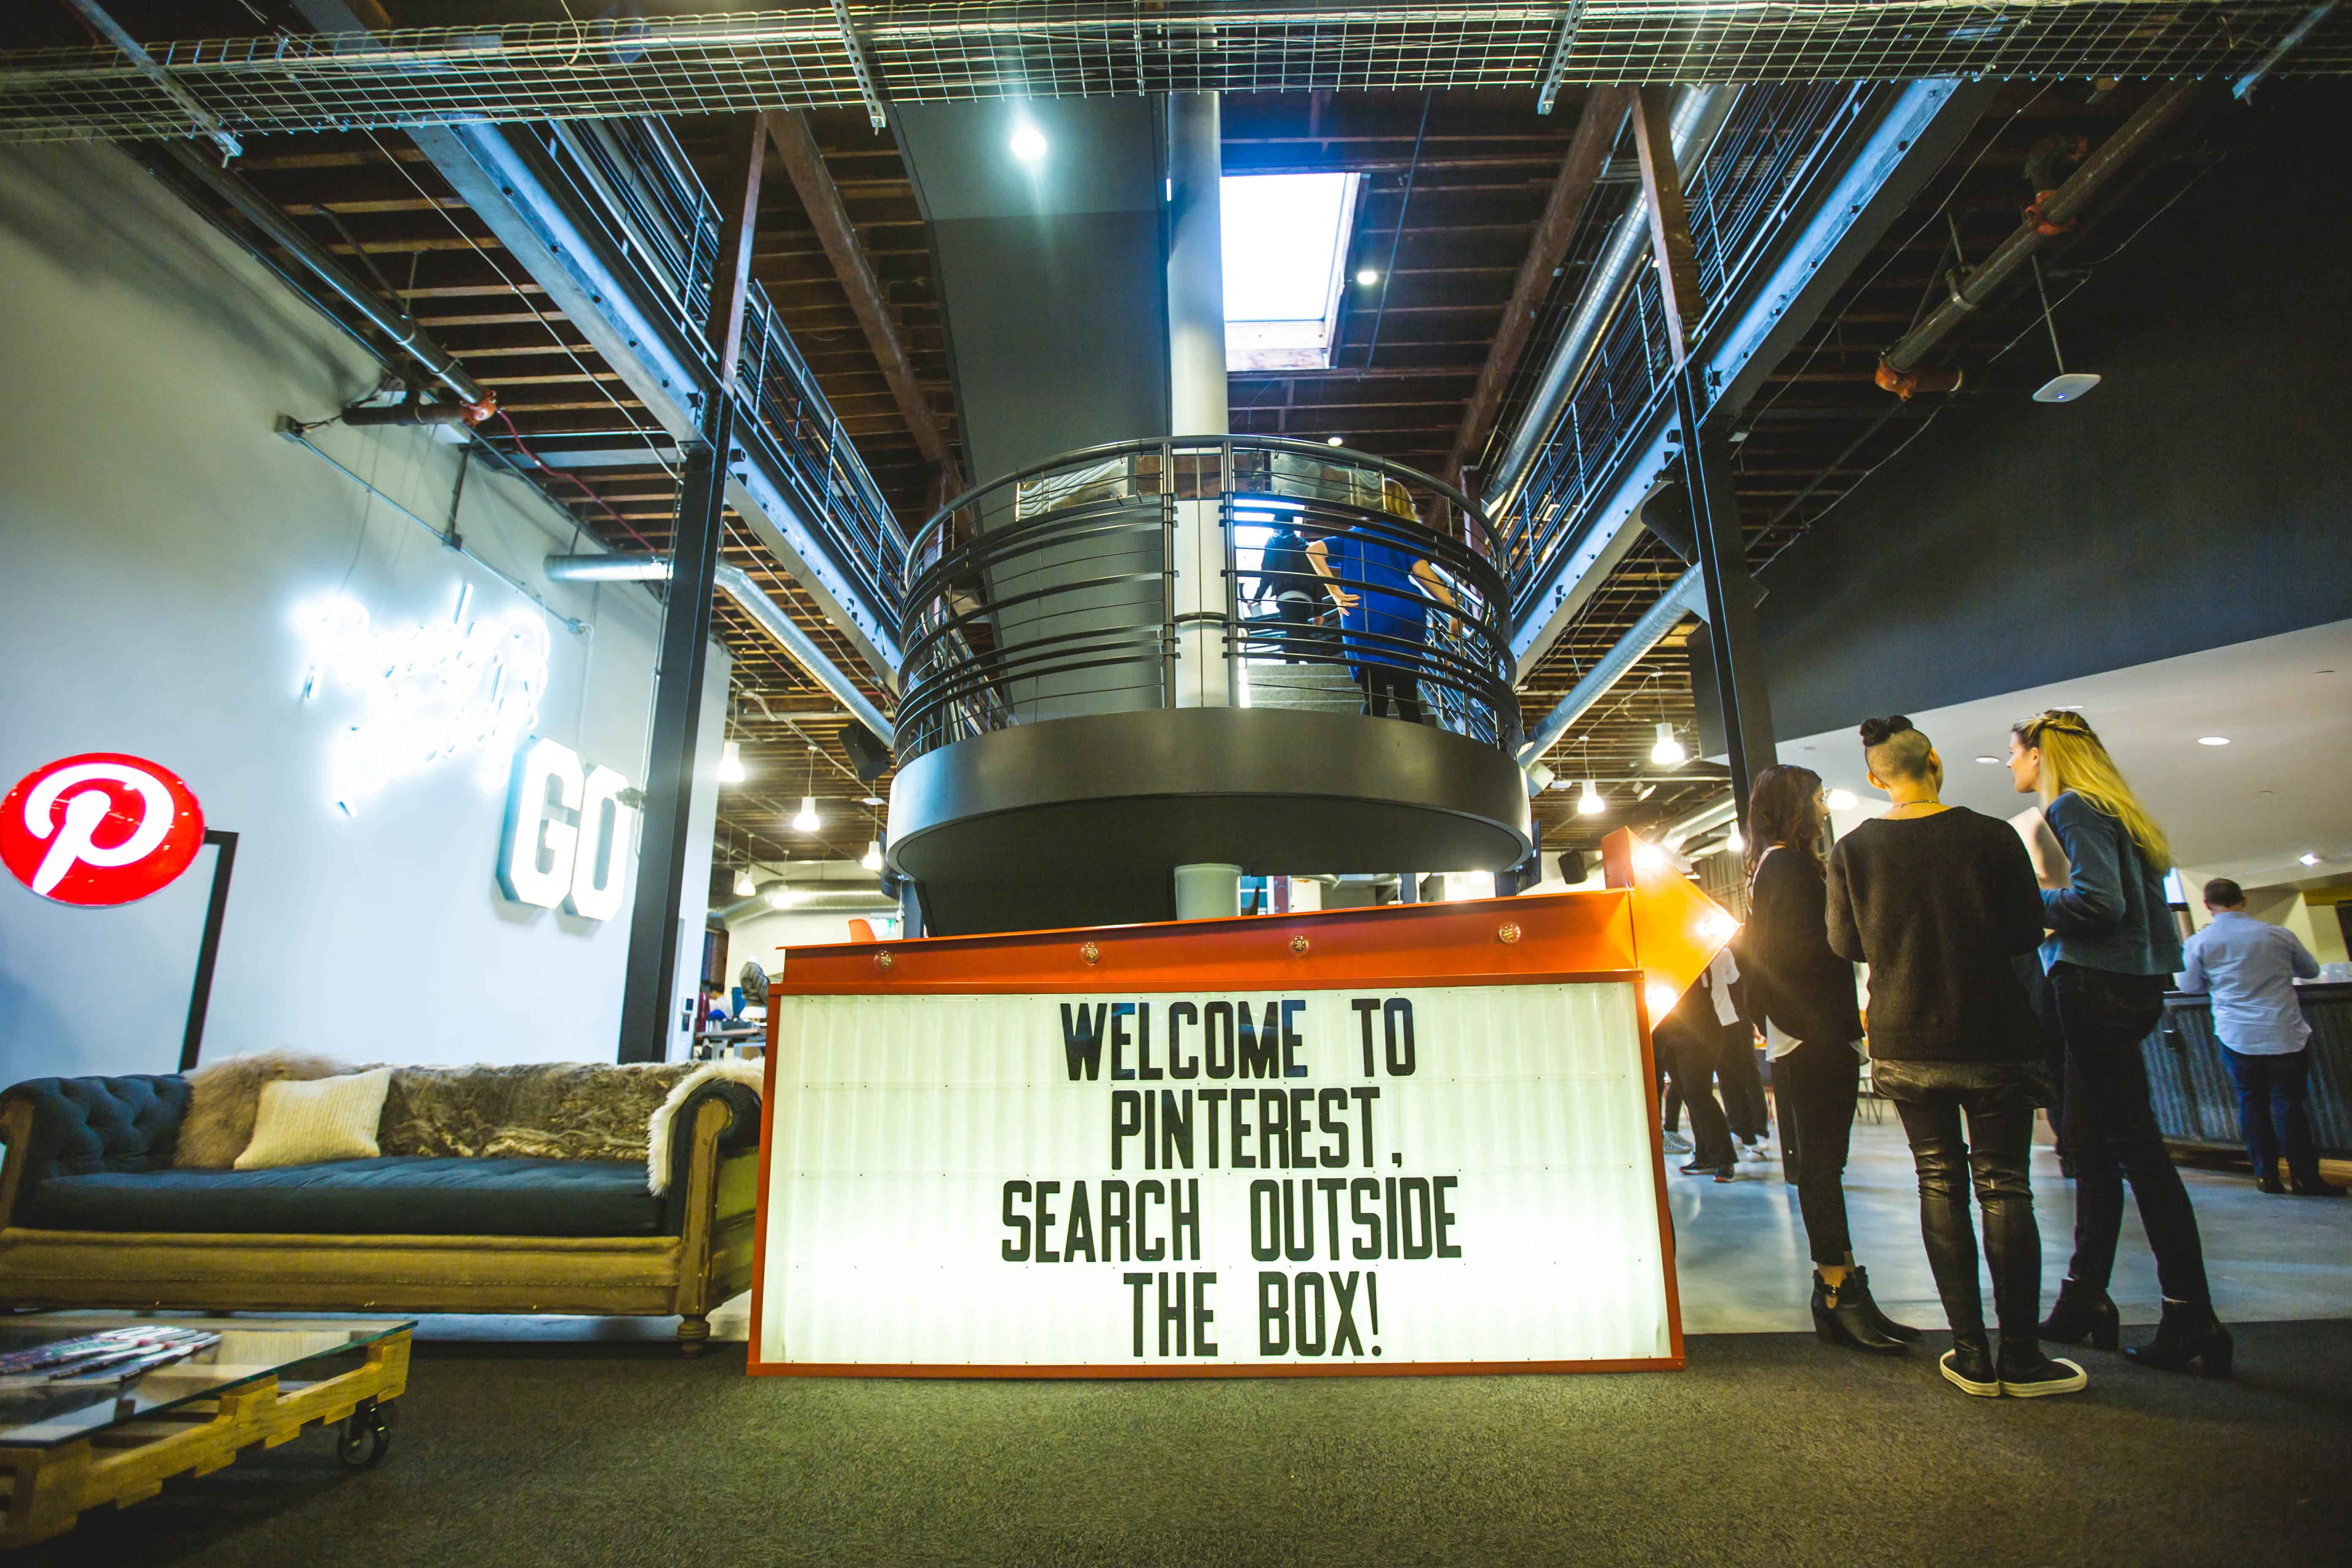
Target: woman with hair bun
[(2111, 955), (1938, 901), (1803, 994)]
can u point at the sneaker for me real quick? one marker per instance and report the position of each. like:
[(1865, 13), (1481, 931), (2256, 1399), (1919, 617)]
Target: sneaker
[(1970, 1369), (2032, 1377), (1677, 1143)]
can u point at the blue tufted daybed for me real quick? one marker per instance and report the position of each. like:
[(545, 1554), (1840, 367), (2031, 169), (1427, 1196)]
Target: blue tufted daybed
[(96, 1214)]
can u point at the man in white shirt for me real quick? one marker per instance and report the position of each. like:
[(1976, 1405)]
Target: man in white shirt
[(2250, 967)]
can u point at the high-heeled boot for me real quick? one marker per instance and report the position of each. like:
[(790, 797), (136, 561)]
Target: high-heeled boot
[(1839, 1319), (2080, 1313), (2189, 1331), (1858, 1284)]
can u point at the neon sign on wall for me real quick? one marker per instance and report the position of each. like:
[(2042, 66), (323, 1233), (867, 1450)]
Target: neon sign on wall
[(428, 694)]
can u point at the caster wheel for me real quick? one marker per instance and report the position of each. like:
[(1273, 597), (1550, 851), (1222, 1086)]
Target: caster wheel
[(362, 1439)]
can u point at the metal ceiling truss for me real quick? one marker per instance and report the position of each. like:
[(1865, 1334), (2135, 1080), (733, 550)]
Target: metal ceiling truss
[(850, 56)]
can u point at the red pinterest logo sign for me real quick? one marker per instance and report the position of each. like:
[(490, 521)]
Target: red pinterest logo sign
[(99, 828)]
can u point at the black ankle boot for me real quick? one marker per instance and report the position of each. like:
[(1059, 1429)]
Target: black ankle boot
[(2189, 1332), (1839, 1319), (2080, 1313), (1857, 1285), (1969, 1364), (2027, 1374)]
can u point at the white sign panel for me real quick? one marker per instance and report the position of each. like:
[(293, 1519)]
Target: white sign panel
[(1190, 1182)]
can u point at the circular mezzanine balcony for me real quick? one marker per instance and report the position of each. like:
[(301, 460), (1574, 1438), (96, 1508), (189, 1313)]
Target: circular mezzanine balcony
[(1129, 657)]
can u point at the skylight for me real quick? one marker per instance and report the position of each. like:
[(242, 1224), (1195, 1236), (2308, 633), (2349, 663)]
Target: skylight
[(1286, 261)]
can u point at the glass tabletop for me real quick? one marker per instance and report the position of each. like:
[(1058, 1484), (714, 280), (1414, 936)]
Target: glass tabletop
[(64, 1375)]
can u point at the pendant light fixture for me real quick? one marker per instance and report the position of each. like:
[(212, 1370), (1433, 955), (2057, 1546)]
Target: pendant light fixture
[(2066, 385), (780, 896), (1590, 802), (731, 763), (806, 820), (744, 886), (1668, 752), (872, 859), (1738, 841)]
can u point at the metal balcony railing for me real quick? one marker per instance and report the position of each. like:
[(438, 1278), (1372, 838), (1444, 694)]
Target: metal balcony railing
[(1768, 148), (1051, 593), (667, 223)]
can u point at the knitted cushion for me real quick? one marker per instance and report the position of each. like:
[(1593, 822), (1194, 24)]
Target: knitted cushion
[(301, 1123)]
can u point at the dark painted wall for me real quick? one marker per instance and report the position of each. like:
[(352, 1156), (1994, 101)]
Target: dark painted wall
[(2200, 495), (1052, 274)]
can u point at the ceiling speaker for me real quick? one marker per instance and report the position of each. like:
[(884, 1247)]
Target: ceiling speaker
[(867, 756)]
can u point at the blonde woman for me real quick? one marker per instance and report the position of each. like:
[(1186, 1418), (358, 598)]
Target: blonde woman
[(2111, 954)]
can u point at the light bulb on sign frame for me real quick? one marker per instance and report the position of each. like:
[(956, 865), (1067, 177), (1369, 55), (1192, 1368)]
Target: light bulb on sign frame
[(1719, 925), (1648, 857), (1662, 998)]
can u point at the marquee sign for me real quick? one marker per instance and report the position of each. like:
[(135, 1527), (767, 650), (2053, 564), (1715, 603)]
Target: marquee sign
[(99, 828), (1404, 1140)]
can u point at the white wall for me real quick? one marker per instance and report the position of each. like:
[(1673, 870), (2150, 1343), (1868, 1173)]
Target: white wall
[(156, 536)]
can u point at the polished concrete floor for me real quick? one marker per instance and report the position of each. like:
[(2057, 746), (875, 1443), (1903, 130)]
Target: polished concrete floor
[(1744, 1267)]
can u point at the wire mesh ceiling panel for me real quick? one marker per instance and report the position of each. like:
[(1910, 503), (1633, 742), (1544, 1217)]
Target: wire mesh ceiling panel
[(808, 58)]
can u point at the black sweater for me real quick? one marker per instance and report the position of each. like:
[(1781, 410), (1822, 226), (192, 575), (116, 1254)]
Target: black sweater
[(1792, 977), (1938, 906)]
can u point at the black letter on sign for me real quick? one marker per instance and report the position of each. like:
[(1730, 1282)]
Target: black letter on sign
[(1217, 1031), (1138, 1283), (1398, 1015), (1291, 1040), (1266, 1222), (1121, 1038), (1126, 1121), (1413, 1215), (1202, 1317), (1181, 1067), (1016, 1250), (1445, 1216), (1365, 1007), (1081, 1233), (1046, 1216), (1082, 1039), (1343, 1286), (1260, 1045), (1300, 1290), (1272, 1316)]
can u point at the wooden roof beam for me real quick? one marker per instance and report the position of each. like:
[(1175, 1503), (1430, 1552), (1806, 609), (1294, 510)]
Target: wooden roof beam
[(820, 198), (1588, 154)]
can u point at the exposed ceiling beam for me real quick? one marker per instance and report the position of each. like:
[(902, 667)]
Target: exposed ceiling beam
[(822, 199), (1587, 154)]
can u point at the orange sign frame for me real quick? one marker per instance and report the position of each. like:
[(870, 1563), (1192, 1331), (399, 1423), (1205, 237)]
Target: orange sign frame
[(1658, 930)]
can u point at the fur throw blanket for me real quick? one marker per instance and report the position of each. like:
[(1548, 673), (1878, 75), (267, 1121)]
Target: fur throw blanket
[(563, 1110), (751, 1074)]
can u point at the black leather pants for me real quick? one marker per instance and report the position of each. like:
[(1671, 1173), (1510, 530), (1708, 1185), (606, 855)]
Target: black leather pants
[(1990, 1154)]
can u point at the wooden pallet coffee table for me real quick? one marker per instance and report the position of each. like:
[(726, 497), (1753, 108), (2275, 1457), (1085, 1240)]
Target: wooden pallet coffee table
[(93, 1441)]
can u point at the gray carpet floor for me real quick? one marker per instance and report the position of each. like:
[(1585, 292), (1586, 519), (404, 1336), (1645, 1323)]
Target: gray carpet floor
[(1769, 1449)]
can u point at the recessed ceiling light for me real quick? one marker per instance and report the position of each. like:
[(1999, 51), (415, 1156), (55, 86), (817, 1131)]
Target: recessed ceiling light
[(2308, 859), (2212, 740), (1368, 276), (871, 800), (1335, 440), (1993, 760), (1028, 143)]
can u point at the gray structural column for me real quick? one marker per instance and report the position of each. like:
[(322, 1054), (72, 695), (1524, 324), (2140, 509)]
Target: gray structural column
[(650, 982), (1740, 686), (1202, 589)]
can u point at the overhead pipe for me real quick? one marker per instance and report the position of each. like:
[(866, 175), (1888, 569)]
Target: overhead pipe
[(1688, 596), (737, 584), (2242, 89), (2051, 213), (1715, 815), (1699, 114), (477, 402)]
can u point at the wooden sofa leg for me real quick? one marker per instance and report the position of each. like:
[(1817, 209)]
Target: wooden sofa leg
[(693, 1333)]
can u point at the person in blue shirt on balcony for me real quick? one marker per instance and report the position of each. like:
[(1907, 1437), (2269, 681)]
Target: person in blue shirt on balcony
[(1381, 588), (2250, 968)]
